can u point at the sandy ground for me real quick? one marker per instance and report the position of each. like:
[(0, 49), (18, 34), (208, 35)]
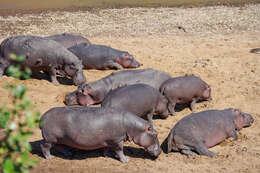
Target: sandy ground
[(212, 42)]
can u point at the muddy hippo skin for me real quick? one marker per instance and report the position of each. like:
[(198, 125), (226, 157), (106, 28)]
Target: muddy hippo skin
[(42, 55), (68, 40), (95, 92), (93, 128), (183, 90), (199, 131), (103, 57), (140, 99)]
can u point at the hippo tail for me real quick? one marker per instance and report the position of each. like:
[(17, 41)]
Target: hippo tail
[(167, 144)]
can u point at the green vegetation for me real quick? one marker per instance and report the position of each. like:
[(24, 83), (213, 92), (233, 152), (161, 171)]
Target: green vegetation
[(16, 123)]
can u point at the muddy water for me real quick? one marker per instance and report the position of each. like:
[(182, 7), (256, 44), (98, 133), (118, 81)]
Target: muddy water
[(61, 4)]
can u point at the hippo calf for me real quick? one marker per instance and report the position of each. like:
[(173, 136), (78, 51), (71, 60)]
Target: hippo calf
[(93, 128), (68, 40), (199, 131), (95, 92), (140, 99), (42, 55), (185, 89), (103, 57)]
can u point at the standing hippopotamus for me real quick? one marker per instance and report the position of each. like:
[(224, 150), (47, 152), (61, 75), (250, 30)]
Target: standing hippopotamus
[(103, 57), (68, 40), (42, 55), (95, 92), (199, 131), (185, 89), (93, 128), (140, 99)]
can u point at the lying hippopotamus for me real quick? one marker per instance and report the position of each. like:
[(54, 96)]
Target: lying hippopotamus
[(185, 89), (103, 57), (94, 92), (68, 40), (93, 128), (140, 99), (42, 55), (199, 131)]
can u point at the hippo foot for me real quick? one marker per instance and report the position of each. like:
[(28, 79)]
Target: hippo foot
[(187, 152), (124, 159), (48, 157), (55, 82)]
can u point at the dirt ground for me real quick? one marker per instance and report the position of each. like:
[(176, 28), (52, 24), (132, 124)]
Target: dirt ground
[(212, 43)]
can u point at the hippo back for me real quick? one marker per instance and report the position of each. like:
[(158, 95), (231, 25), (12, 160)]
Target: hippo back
[(68, 40)]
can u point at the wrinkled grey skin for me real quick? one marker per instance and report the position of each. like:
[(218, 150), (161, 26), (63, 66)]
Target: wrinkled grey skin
[(140, 99), (93, 128), (42, 55), (68, 40), (185, 89), (96, 91), (103, 57), (199, 131)]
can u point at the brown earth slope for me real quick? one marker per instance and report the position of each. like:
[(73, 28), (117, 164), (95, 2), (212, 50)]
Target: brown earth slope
[(212, 42)]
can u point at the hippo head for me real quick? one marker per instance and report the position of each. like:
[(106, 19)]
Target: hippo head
[(162, 107), (87, 96), (74, 70), (71, 99), (127, 60), (206, 95), (149, 140), (242, 119)]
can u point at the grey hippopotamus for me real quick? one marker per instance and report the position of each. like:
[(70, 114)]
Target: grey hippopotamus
[(140, 99), (185, 89), (94, 92), (68, 40), (103, 57), (199, 131), (42, 55), (93, 128)]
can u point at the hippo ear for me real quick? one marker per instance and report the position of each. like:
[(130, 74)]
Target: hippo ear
[(236, 112)]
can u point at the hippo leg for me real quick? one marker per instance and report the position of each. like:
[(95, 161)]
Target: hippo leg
[(192, 104), (203, 150), (171, 106), (150, 117), (112, 65), (120, 153), (187, 152), (52, 72), (63, 149), (233, 135), (46, 147)]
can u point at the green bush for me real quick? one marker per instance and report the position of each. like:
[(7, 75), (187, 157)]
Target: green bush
[(18, 121)]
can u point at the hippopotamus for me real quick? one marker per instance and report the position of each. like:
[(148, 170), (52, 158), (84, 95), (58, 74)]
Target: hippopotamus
[(92, 128), (94, 92), (68, 40), (103, 57), (256, 50), (185, 89), (199, 131), (42, 55), (140, 99)]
